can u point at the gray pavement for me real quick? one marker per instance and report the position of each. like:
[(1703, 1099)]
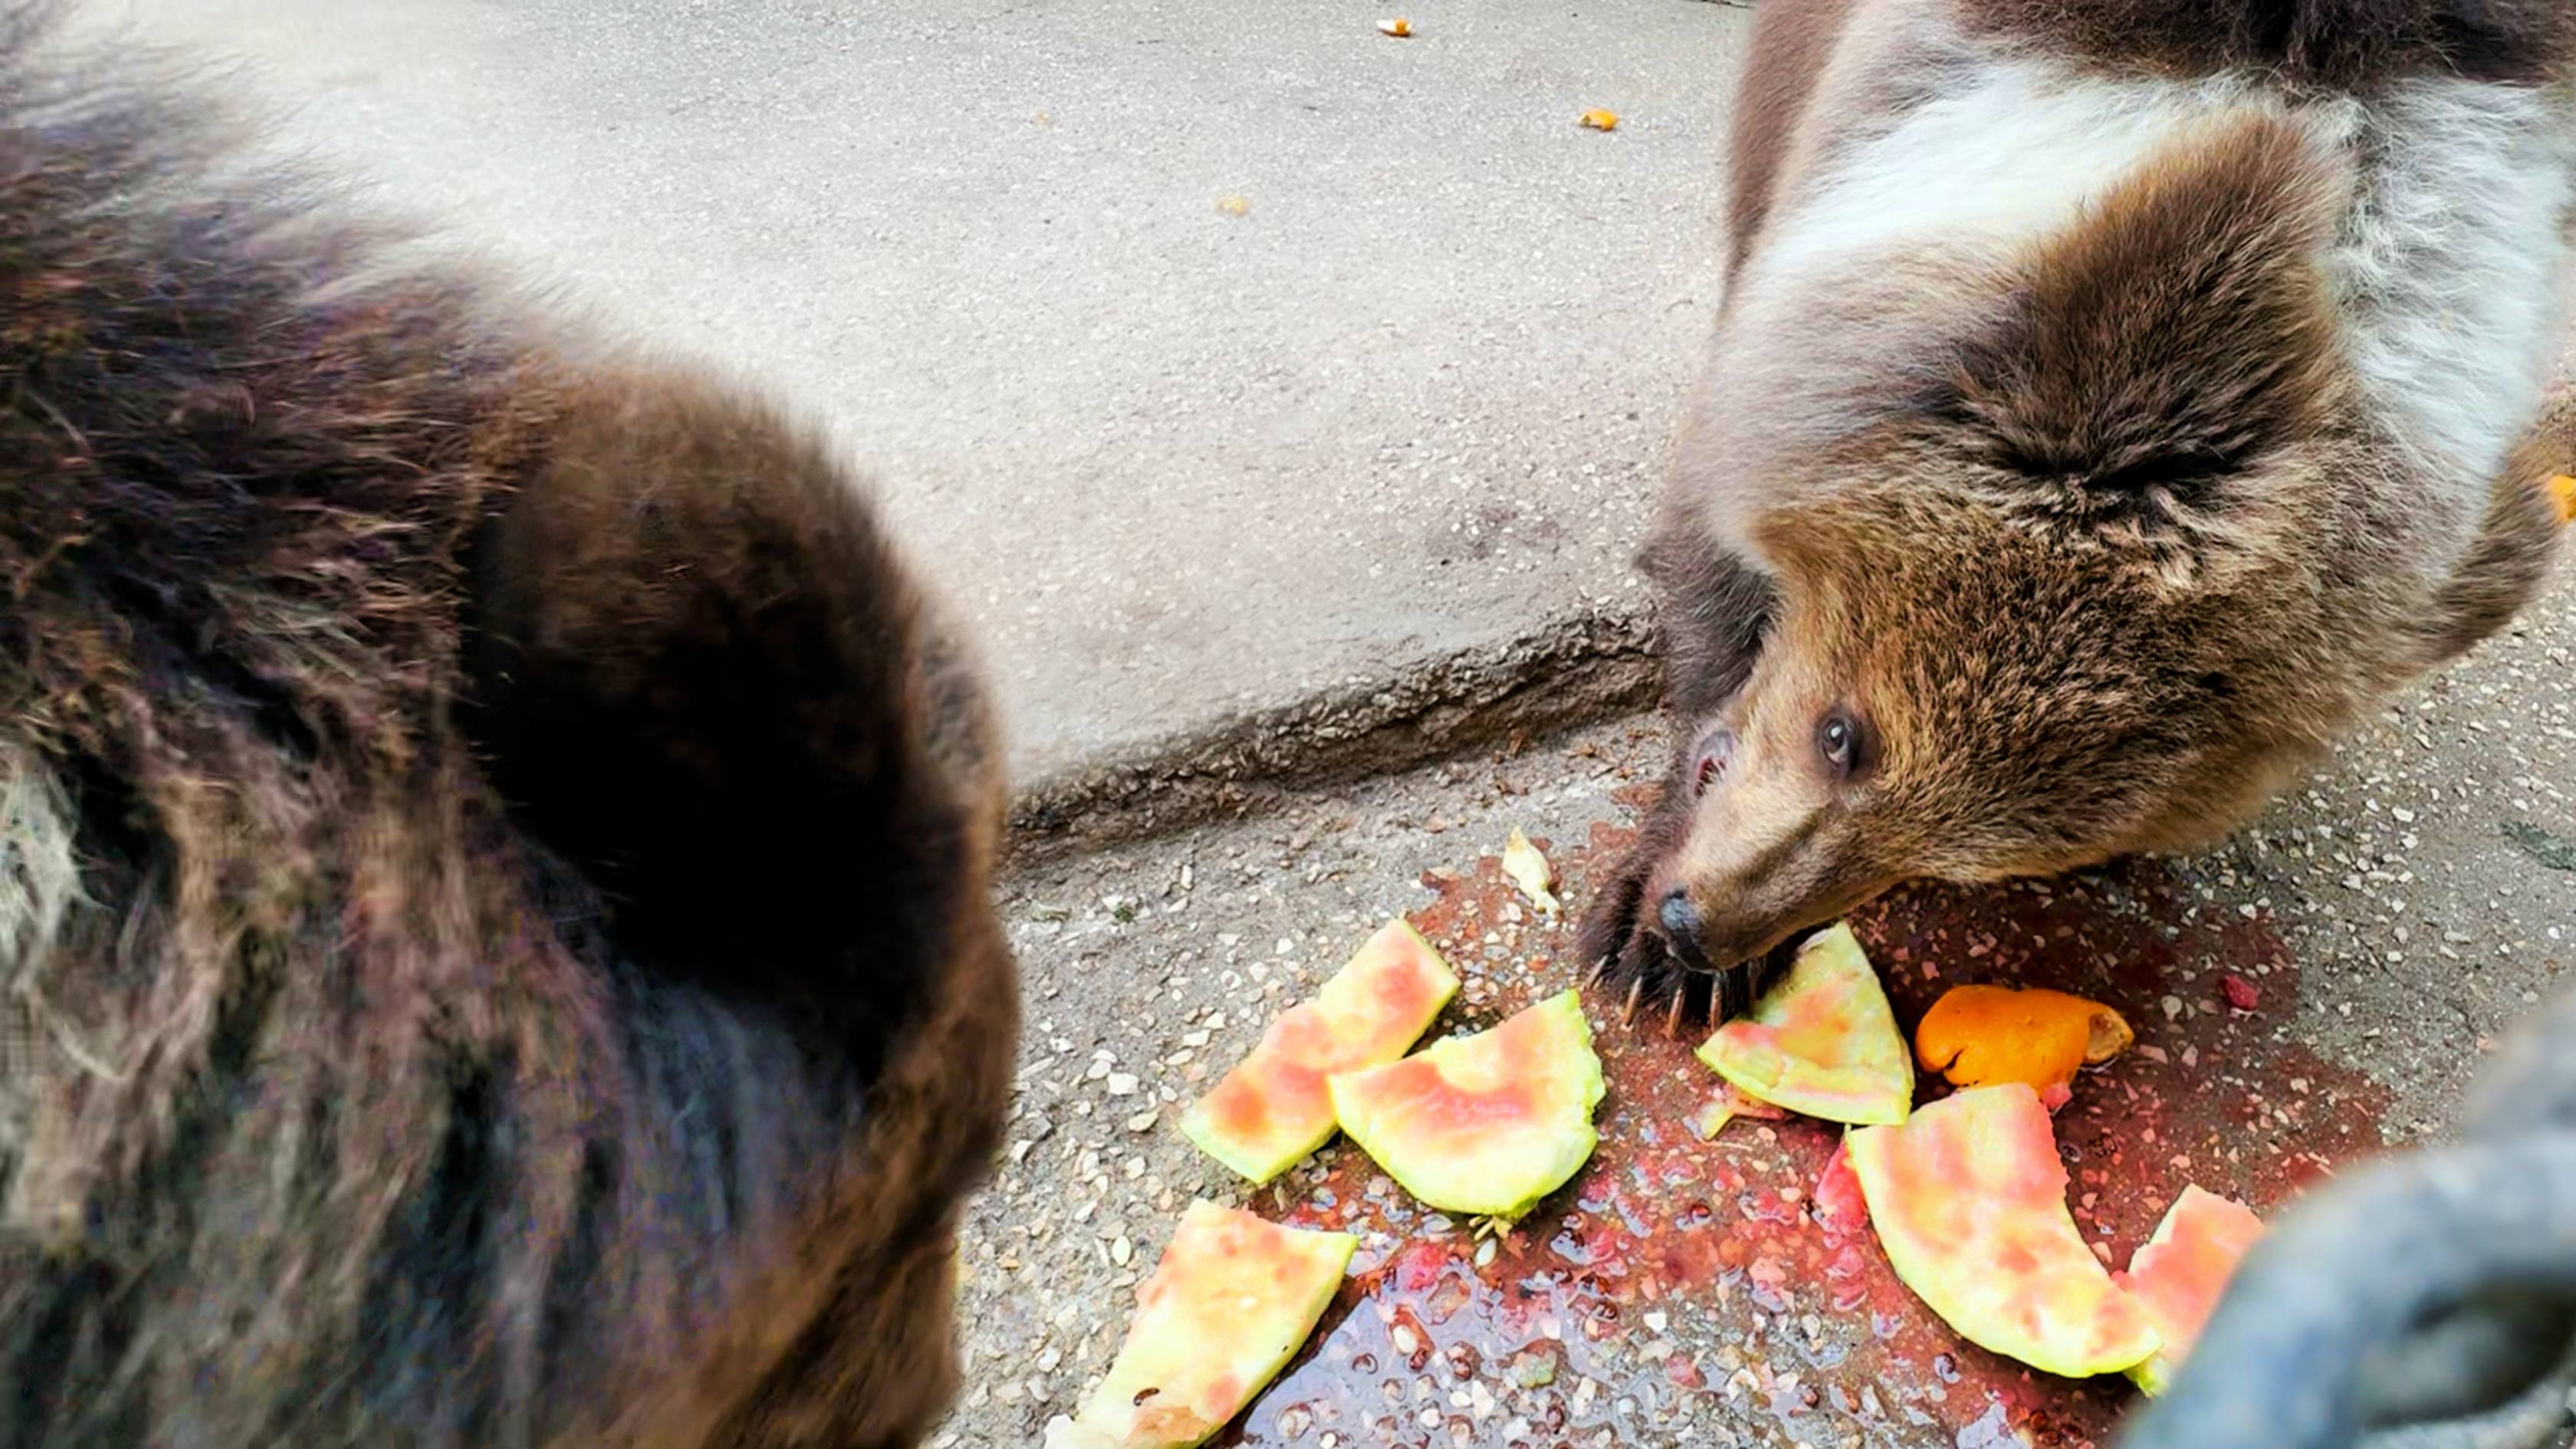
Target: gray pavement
[(1348, 467)]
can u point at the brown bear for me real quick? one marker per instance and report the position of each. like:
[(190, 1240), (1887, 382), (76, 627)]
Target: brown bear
[(495, 930), (2109, 403)]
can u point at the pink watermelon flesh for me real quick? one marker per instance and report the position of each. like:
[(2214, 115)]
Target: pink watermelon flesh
[(1485, 1124), (1273, 1109), (1969, 1199), (1726, 1104), (1229, 1304), (1840, 1207), (2178, 1275), (1822, 1041)]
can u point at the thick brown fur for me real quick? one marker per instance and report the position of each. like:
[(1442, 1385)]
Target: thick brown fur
[(2325, 42), (2087, 545), (495, 941)]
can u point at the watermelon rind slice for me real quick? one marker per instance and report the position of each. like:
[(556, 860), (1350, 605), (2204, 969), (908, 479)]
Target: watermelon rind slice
[(1968, 1198), (2178, 1275), (1822, 1041), (1486, 1124), (1230, 1302), (1273, 1107)]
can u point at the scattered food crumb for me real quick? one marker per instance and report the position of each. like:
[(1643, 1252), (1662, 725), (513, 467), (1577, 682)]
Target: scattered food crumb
[(1530, 871), (1601, 120)]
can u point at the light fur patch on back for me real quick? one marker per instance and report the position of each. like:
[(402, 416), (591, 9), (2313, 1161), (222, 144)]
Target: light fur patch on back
[(1902, 243), (2009, 154), (2445, 276), (39, 888), (39, 869), (2449, 268)]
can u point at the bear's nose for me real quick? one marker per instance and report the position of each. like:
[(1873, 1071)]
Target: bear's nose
[(1681, 922)]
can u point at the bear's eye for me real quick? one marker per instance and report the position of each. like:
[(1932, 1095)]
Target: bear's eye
[(1838, 740)]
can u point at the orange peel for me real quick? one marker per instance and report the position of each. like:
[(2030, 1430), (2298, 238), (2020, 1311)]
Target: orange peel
[(1979, 1036)]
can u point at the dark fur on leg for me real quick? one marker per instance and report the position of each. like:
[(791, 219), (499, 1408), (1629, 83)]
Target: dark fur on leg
[(2327, 42), (2516, 544), (687, 648), (1717, 608), (1627, 965)]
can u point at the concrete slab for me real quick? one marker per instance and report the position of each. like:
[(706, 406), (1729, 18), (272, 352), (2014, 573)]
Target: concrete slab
[(2393, 919), (1370, 450)]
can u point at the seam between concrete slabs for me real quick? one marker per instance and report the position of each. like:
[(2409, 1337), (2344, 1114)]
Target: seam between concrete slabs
[(1568, 671)]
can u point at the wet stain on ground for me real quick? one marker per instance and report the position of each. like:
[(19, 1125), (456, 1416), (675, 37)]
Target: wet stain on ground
[(1727, 1292)]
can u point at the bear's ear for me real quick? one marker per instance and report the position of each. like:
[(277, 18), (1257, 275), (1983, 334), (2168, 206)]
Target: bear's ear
[(2170, 342), (701, 674)]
